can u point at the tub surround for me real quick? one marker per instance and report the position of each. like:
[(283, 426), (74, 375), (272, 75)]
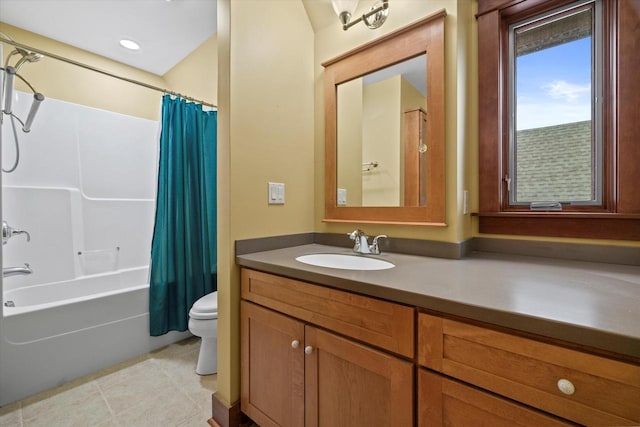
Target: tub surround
[(583, 303), (85, 190)]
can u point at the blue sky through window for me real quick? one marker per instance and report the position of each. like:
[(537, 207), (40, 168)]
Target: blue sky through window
[(554, 85)]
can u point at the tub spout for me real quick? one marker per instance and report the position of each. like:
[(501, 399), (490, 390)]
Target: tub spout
[(14, 271)]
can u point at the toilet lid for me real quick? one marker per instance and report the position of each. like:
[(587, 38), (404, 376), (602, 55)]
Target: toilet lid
[(206, 307)]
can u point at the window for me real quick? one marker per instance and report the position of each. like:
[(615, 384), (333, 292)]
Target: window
[(555, 119), (559, 118)]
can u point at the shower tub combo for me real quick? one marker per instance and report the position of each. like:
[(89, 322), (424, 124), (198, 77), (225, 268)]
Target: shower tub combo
[(85, 192)]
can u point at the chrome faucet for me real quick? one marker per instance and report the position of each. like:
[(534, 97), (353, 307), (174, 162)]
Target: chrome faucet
[(15, 271), (374, 248), (8, 232), (361, 244)]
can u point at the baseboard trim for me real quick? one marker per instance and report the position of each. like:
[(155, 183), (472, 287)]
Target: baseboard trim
[(224, 415)]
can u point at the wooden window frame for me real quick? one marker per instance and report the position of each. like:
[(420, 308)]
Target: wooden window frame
[(619, 216)]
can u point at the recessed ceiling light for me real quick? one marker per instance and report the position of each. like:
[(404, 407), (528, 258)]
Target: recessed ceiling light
[(129, 44)]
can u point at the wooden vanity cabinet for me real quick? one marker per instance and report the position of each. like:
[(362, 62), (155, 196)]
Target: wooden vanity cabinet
[(317, 356), (296, 373), (574, 385)]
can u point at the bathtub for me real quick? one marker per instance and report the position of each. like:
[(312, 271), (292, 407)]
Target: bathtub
[(59, 331)]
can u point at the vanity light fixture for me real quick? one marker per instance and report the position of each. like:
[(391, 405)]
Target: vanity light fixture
[(129, 44), (372, 19)]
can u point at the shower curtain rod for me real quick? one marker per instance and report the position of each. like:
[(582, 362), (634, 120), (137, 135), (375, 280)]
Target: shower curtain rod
[(98, 70)]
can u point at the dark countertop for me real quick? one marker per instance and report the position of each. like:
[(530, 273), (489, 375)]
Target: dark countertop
[(586, 303)]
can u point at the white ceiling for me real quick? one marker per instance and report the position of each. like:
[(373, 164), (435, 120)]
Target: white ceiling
[(167, 31)]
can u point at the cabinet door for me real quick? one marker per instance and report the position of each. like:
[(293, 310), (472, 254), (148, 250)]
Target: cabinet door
[(444, 402), (272, 354), (352, 385)]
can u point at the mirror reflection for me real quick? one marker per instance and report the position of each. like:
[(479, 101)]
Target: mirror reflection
[(381, 137)]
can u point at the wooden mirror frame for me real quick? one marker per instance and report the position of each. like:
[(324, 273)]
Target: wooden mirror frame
[(424, 36)]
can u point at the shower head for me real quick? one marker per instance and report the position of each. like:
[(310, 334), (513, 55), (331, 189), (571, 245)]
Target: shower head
[(26, 57)]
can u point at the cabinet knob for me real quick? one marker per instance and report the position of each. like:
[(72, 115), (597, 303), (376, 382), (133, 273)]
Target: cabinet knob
[(295, 344), (566, 386), (308, 349)]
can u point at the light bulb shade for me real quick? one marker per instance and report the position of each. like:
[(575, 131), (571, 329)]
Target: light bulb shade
[(9, 76), (35, 105), (340, 6)]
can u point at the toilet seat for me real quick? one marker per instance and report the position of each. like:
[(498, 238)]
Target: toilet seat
[(205, 308)]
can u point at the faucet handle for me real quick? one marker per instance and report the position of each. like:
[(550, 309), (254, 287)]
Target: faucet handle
[(355, 234), (16, 231), (8, 232), (375, 248)]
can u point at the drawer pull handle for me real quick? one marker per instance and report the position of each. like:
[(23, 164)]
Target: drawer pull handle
[(308, 349), (566, 387), (295, 344)]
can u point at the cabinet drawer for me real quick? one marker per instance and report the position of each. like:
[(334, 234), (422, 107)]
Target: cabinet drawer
[(445, 402), (606, 391), (380, 323)]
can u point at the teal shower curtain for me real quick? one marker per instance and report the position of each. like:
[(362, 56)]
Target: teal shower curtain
[(183, 251)]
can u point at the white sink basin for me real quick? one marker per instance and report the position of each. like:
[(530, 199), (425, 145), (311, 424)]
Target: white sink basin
[(345, 262)]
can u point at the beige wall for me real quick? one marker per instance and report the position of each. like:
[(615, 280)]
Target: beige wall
[(266, 87), (467, 125), (197, 74)]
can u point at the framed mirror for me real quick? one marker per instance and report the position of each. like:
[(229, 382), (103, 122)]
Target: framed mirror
[(384, 129)]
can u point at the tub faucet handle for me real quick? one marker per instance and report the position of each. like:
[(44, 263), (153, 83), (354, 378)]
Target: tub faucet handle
[(8, 232)]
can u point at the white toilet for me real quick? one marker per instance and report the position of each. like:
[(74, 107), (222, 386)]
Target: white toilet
[(203, 322)]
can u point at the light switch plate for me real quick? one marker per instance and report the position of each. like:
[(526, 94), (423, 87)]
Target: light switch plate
[(465, 202), (275, 195)]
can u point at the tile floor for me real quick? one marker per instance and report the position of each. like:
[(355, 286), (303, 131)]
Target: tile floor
[(157, 389)]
